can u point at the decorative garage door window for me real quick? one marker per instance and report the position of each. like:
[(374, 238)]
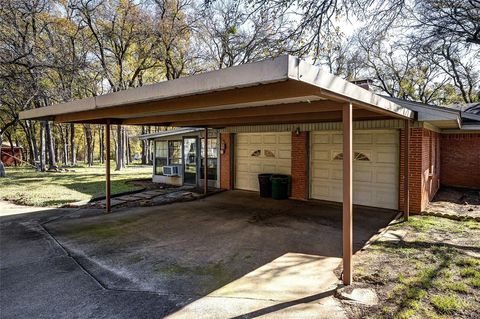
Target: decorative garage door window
[(269, 153), (356, 157), (256, 153), (266, 153)]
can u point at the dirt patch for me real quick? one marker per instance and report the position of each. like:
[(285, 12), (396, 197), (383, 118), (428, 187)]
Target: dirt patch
[(433, 272), (456, 201)]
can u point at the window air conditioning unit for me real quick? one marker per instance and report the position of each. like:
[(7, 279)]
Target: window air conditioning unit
[(170, 170)]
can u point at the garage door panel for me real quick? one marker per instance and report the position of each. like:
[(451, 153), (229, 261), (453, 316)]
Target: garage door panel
[(285, 139), (363, 175), (336, 174), (274, 156), (268, 139), (337, 139), (362, 138), (387, 138), (321, 173), (362, 196), (321, 139), (385, 176), (386, 157), (284, 154), (375, 181)]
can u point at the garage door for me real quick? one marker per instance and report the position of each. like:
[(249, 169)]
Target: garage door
[(257, 153), (375, 167)]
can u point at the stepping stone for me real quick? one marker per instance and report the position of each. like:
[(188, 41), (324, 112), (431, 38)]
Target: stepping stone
[(113, 202), (151, 192), (129, 198), (364, 296), (393, 236), (144, 195)]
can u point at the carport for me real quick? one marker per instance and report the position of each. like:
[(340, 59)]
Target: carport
[(285, 90)]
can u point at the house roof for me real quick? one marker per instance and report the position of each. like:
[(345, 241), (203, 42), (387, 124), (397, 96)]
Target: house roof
[(175, 132), (281, 90), (470, 112), (463, 116)]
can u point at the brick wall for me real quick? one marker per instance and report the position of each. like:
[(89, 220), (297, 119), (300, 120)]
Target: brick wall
[(424, 167), (226, 174), (300, 148), (460, 160)]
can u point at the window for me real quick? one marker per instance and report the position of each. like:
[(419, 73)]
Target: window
[(357, 156), (174, 152), (212, 159), (161, 156), (167, 153)]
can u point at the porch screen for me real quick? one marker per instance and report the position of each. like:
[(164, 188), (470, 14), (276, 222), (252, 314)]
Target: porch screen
[(161, 156), (212, 159)]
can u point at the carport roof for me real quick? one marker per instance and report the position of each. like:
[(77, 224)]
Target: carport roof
[(281, 90)]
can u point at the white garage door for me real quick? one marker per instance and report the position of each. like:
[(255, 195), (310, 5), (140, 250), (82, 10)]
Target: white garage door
[(375, 167), (257, 153)]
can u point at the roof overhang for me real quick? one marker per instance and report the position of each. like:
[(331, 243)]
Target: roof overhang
[(281, 90)]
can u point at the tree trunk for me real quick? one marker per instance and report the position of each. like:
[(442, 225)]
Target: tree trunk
[(100, 145), (89, 144), (144, 147), (52, 163), (149, 148), (120, 150), (64, 138), (73, 150), (42, 147), (2, 167), (128, 151), (33, 137)]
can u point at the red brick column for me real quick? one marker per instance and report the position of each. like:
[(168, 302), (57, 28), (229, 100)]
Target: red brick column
[(415, 169), (460, 160), (300, 165), (226, 174), (423, 182)]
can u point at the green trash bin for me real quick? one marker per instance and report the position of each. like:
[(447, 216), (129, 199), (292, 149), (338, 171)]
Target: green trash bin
[(280, 184)]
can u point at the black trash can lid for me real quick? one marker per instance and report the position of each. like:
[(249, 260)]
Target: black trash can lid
[(265, 175), (279, 176)]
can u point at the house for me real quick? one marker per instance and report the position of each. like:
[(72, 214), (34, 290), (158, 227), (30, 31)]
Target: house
[(179, 157), (9, 156), (338, 141)]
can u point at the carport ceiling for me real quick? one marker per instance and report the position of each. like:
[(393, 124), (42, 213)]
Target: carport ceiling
[(281, 90)]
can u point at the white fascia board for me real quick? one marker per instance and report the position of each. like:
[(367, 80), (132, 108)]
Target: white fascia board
[(245, 75), (61, 108), (471, 127), (169, 133), (303, 71)]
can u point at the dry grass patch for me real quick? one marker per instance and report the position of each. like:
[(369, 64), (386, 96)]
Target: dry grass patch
[(434, 272)]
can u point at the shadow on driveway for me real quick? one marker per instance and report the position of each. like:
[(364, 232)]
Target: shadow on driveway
[(232, 254)]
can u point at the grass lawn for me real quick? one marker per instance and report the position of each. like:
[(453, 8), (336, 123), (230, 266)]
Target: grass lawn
[(25, 186), (434, 272)]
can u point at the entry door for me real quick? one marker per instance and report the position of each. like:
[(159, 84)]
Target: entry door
[(190, 160)]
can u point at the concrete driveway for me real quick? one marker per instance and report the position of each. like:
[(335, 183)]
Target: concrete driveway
[(229, 255)]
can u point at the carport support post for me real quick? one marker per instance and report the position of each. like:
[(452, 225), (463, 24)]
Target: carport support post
[(205, 168), (107, 167), (347, 193), (406, 188)]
